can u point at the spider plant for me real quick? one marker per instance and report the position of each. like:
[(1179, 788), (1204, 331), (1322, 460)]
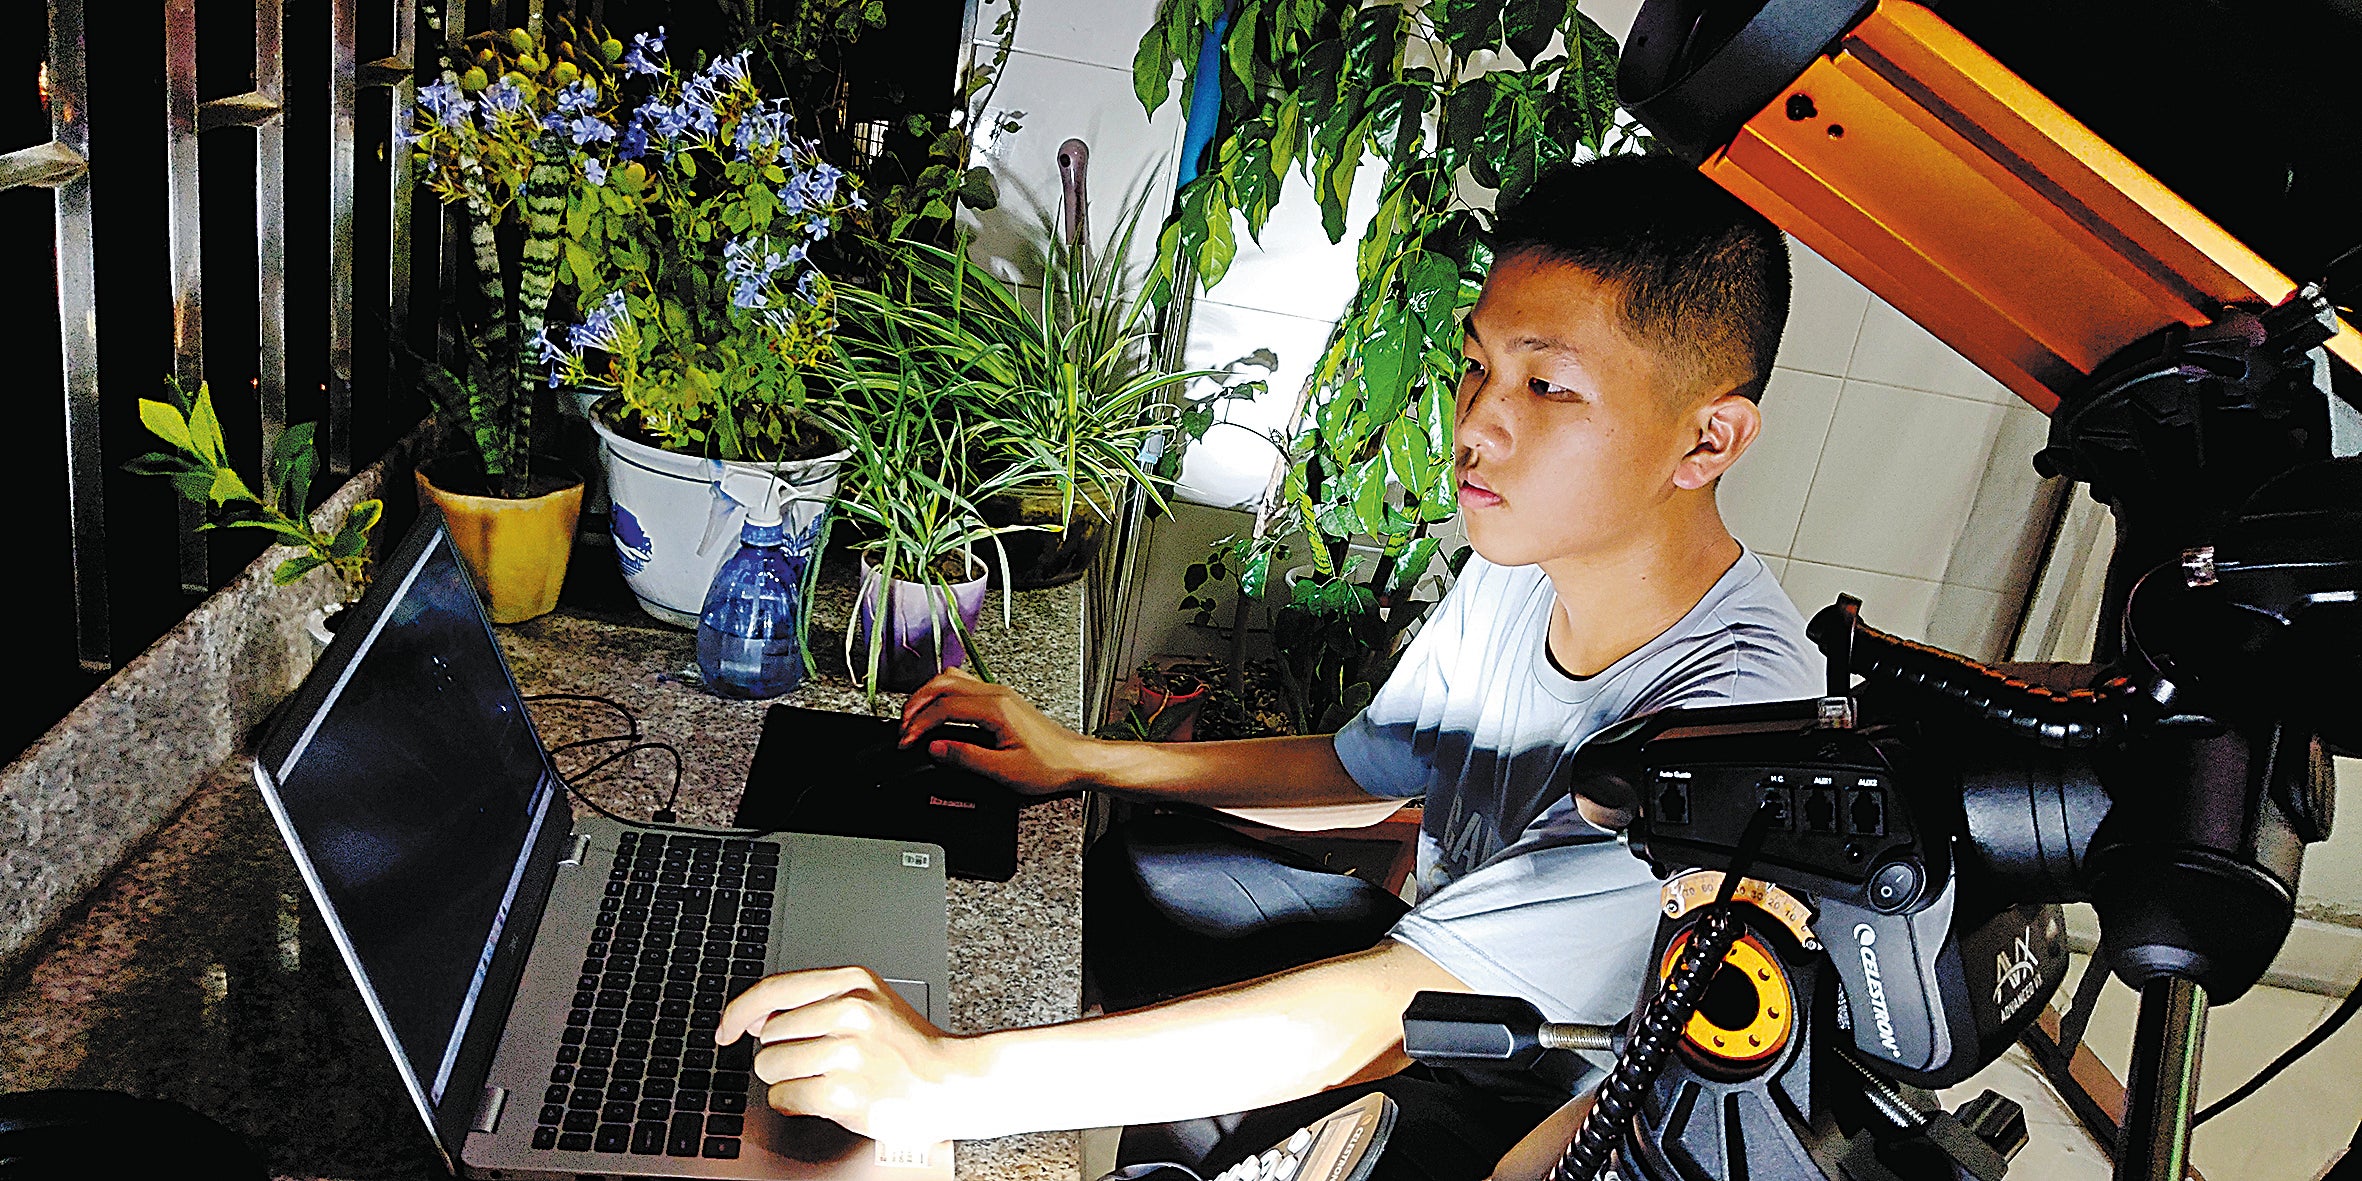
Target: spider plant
[(1068, 375), (910, 420)]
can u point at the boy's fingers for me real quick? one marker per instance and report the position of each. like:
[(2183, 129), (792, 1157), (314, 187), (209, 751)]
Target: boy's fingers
[(982, 711), (810, 1058), (790, 990), (854, 1012), (811, 1096), (943, 682), (940, 693)]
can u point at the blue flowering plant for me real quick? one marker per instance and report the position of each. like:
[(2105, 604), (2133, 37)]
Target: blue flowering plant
[(692, 247)]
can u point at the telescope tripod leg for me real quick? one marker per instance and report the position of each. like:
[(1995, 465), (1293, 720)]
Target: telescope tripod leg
[(2161, 1088)]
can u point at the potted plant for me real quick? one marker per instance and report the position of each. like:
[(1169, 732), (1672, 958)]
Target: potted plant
[(1072, 383), (1170, 699), (198, 465), (505, 142), (910, 417), (692, 252)]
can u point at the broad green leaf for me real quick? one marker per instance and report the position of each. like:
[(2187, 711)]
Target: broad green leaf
[(293, 568), (205, 429), (165, 423), (227, 487), (1468, 25), (1529, 25), (1152, 70), (1431, 285)]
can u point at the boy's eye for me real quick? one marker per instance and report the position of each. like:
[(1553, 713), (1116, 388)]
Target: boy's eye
[(1545, 389)]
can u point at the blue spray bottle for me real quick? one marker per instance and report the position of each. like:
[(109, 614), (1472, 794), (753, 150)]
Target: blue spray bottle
[(746, 635)]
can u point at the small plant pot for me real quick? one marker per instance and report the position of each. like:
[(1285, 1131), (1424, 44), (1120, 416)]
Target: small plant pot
[(516, 550), (923, 636), (1173, 714)]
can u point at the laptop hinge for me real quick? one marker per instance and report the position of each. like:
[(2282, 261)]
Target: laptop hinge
[(488, 1109), (582, 843)]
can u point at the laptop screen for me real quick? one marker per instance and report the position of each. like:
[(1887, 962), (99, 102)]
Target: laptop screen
[(416, 791)]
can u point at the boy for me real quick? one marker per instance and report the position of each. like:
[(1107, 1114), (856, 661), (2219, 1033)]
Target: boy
[(1614, 364)]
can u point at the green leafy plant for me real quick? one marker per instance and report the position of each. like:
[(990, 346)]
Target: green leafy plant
[(199, 468), (691, 250), (1500, 90), (922, 206), (1067, 379), (909, 416)]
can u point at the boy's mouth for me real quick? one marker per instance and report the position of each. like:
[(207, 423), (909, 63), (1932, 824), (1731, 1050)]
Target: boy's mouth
[(1474, 493)]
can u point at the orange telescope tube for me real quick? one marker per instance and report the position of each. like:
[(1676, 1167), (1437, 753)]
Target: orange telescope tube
[(1924, 168)]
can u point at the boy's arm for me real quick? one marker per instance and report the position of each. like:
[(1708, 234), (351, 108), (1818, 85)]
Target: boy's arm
[(840, 1043), (1038, 756)]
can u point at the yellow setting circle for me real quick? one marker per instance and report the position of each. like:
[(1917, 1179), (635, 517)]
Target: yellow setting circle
[(1770, 1016)]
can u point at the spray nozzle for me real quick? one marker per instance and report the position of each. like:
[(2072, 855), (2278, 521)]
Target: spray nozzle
[(762, 492)]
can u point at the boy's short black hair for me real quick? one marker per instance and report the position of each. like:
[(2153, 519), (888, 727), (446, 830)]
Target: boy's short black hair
[(1704, 279)]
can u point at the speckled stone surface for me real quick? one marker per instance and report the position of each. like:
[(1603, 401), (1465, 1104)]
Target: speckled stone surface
[(199, 971), (83, 797)]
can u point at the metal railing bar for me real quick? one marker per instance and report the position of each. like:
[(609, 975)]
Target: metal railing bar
[(77, 321), (270, 224), (401, 179), (184, 241), (342, 81)]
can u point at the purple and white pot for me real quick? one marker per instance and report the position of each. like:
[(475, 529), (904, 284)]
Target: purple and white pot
[(921, 638)]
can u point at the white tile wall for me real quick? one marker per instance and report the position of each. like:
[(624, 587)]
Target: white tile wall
[(1071, 75), (1762, 496), (1915, 490), (1231, 466)]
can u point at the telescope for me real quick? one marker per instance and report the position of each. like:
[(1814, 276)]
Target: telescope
[(1863, 891)]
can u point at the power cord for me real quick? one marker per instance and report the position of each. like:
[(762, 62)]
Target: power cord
[(2304, 1045), (1658, 1029), (666, 813), (665, 818)]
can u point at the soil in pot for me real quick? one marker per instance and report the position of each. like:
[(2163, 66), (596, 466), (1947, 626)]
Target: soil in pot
[(516, 550)]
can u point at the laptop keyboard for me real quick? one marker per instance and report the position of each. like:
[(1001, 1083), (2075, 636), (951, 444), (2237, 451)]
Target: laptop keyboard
[(684, 927)]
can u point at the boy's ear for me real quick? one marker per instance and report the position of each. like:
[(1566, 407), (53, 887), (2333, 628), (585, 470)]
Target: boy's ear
[(1726, 425)]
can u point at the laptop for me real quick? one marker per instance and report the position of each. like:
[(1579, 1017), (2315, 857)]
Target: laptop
[(828, 772), (547, 983)]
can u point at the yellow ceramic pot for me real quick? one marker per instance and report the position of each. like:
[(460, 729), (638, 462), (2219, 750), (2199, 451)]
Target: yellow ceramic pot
[(516, 550)]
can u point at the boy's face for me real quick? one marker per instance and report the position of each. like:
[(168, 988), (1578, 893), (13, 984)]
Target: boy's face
[(1571, 434)]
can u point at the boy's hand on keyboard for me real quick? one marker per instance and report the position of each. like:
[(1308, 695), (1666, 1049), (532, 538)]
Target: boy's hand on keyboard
[(842, 1044), (1033, 754)]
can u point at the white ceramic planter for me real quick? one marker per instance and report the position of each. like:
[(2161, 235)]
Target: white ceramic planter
[(673, 527)]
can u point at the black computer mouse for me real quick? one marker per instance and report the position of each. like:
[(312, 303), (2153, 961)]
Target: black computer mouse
[(77, 1133)]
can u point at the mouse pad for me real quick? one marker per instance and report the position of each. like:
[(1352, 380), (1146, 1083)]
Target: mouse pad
[(841, 775)]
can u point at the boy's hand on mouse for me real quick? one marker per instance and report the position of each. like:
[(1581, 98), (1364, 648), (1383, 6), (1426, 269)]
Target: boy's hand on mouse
[(842, 1044), (1031, 753)]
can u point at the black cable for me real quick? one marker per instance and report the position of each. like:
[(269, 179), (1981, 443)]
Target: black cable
[(2304, 1045), (629, 719), (1659, 1027), (666, 816)]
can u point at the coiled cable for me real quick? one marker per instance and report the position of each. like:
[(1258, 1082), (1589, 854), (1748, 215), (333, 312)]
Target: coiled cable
[(1659, 1027)]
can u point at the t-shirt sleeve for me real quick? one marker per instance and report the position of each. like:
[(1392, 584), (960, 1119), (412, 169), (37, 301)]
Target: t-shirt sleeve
[(1567, 927), (1380, 747)]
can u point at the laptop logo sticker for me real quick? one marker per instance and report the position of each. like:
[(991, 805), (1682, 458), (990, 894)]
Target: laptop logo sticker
[(912, 859)]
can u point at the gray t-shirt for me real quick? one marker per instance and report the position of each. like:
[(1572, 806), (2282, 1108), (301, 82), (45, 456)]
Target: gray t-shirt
[(1517, 893)]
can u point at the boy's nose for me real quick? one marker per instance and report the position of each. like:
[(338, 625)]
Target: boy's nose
[(1477, 421)]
